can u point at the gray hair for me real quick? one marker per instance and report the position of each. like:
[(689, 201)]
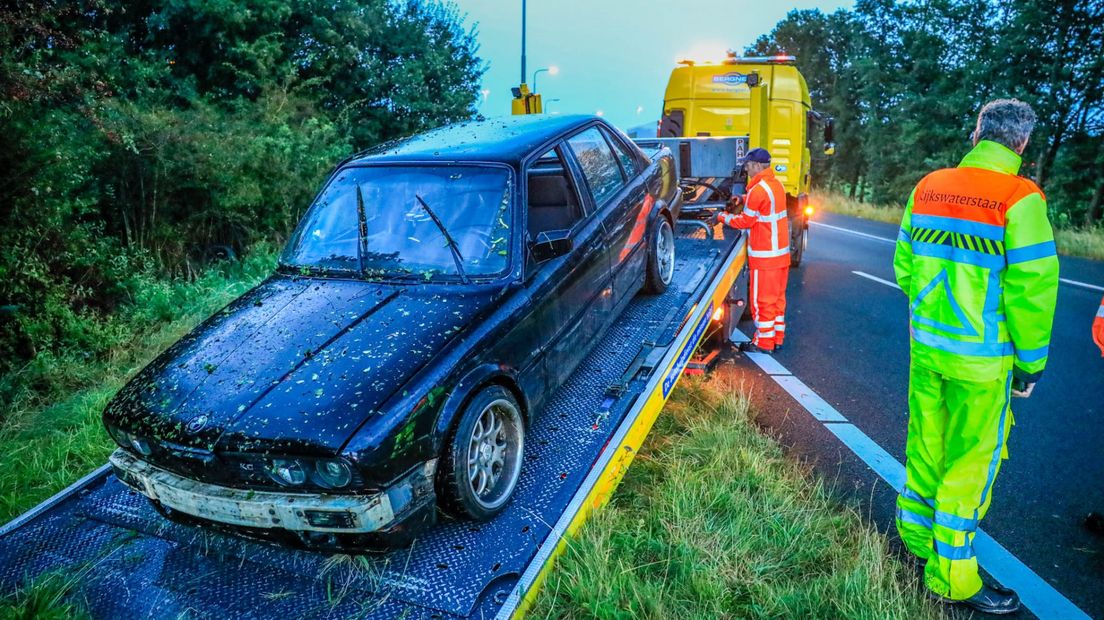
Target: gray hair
[(1006, 121)]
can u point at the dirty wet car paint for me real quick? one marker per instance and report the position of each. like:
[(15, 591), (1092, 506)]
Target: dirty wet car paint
[(370, 371)]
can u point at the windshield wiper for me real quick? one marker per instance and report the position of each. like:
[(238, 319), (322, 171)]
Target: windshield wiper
[(362, 231), (456, 256)]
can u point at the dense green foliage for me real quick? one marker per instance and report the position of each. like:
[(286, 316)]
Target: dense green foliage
[(905, 81), (144, 138)]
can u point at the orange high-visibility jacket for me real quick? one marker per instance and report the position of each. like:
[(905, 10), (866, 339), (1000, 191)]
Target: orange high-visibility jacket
[(765, 215), (1098, 328)]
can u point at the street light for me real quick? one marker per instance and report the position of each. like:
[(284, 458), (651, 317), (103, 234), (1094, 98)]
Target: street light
[(553, 70)]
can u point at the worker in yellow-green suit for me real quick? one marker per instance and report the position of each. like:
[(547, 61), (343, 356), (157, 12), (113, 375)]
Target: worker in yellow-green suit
[(976, 257)]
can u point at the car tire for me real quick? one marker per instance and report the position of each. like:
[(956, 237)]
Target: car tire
[(661, 256), (482, 460)]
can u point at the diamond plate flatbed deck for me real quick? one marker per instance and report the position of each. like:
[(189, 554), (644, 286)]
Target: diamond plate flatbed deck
[(129, 562)]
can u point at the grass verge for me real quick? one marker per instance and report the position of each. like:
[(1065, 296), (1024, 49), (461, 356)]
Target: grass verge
[(1071, 241), (713, 521), (50, 433)]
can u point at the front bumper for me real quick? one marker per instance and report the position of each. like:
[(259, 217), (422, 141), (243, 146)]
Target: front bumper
[(271, 510)]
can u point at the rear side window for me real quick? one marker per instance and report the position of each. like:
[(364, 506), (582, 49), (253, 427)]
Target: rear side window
[(629, 162), (598, 163)]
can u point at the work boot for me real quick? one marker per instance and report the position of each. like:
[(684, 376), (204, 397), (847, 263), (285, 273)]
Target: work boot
[(991, 599), (750, 347), (778, 346)]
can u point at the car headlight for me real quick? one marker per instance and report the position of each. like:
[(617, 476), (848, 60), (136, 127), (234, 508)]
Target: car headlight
[(332, 473), (129, 440), (287, 471)]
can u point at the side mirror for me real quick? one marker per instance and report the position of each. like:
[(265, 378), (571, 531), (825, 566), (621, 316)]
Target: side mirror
[(829, 131), (551, 244)]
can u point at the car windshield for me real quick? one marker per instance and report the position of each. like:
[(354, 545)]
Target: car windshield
[(410, 221)]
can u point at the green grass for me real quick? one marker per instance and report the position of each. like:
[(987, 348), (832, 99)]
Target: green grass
[(1071, 240), (45, 598), (714, 521), (50, 432)]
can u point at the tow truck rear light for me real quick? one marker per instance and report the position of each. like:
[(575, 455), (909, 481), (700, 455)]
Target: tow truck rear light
[(718, 314), (809, 210)]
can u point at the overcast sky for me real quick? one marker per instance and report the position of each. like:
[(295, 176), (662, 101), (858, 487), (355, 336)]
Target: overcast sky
[(613, 55)]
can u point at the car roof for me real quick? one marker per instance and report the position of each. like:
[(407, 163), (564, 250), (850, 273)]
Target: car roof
[(507, 139)]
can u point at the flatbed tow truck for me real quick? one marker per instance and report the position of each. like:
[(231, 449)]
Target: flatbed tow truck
[(124, 560)]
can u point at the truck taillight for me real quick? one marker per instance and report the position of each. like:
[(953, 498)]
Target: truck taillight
[(809, 210)]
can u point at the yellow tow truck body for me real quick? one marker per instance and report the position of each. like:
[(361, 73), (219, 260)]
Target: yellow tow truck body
[(765, 99)]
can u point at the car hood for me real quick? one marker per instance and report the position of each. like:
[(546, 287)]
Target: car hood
[(295, 365)]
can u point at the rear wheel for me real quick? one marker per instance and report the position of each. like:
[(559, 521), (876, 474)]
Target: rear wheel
[(482, 461), (661, 256), (799, 239)]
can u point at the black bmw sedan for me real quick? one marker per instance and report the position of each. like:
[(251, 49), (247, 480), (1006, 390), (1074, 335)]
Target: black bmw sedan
[(436, 291)]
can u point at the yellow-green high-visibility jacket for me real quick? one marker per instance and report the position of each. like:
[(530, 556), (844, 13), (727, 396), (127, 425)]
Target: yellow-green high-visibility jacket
[(976, 257)]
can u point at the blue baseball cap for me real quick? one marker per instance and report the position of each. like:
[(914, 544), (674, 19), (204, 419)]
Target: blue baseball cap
[(761, 156)]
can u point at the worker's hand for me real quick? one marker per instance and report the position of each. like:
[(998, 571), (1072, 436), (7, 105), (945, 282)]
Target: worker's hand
[(1098, 333), (716, 219), (734, 203), (1024, 390)]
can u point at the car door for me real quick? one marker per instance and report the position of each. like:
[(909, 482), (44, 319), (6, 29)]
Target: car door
[(627, 223), (571, 293)]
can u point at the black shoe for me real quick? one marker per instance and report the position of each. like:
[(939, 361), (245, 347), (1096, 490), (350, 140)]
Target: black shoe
[(778, 347), (749, 347), (995, 599)]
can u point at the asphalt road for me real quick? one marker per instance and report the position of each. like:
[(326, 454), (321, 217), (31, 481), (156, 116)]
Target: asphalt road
[(848, 341)]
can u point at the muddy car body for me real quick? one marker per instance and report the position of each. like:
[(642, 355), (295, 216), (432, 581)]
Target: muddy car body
[(433, 295)]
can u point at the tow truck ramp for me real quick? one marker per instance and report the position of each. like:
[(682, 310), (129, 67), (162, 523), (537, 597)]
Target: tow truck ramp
[(126, 561)]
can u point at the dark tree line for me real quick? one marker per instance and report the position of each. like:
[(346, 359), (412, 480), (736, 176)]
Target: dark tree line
[(140, 137), (905, 81)]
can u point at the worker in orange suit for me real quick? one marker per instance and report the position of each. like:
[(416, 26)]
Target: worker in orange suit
[(1098, 328), (765, 217)]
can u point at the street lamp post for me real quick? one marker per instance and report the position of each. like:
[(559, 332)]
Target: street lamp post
[(553, 70)]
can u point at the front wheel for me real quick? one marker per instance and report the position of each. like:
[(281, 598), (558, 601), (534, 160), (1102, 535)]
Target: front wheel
[(661, 256), (482, 462)]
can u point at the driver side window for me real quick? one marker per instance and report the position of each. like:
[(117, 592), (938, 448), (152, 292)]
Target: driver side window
[(553, 201)]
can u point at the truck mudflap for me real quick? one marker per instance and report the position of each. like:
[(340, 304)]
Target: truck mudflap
[(122, 559)]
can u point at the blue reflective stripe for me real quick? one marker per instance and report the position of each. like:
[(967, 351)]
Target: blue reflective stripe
[(993, 294), (964, 328), (952, 552), (965, 227), (907, 516), (914, 496), (1032, 355), (958, 255), (1031, 252), (903, 235), (973, 349), (955, 522), (1000, 442)]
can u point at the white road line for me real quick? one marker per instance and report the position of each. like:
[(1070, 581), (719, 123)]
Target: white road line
[(1037, 595), (854, 232), (1091, 287), (863, 274)]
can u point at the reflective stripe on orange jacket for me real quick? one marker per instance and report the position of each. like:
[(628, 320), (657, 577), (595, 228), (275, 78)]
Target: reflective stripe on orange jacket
[(1098, 328), (765, 215)]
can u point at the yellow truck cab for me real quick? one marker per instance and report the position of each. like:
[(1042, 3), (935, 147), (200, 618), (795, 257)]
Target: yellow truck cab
[(764, 101)]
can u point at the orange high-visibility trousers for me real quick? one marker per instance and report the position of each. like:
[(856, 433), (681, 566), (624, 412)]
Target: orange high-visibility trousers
[(768, 306)]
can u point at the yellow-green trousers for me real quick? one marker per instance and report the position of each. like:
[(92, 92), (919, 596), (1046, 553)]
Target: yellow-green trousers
[(956, 440)]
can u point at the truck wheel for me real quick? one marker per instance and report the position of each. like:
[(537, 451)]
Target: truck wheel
[(661, 256), (798, 242), (482, 460)]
